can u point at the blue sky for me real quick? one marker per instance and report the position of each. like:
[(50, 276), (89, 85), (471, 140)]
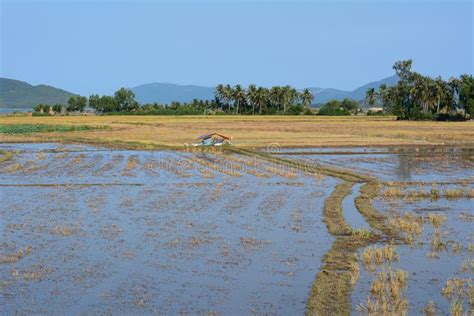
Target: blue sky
[(98, 46)]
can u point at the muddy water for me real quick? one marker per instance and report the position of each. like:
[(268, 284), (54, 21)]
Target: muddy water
[(88, 230)]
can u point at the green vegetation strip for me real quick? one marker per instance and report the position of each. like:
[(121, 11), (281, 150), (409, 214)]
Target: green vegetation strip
[(41, 128)]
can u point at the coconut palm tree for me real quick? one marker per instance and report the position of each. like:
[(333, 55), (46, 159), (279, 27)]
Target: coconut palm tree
[(454, 84), (289, 95), (220, 93), (252, 96), (261, 98), (239, 97), (307, 98), (275, 97), (228, 95), (370, 97), (437, 92)]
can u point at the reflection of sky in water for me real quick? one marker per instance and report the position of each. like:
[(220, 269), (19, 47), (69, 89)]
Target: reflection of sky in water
[(171, 245), (393, 164), (428, 276)]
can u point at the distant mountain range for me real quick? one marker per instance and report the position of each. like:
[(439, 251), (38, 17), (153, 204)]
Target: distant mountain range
[(19, 94), (168, 92), (324, 95)]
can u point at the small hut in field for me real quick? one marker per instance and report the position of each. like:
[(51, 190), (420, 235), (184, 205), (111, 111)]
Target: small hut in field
[(214, 139)]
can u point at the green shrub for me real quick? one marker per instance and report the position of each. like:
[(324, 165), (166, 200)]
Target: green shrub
[(325, 110), (40, 128)]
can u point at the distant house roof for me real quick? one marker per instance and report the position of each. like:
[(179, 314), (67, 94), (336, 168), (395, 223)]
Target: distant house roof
[(206, 136)]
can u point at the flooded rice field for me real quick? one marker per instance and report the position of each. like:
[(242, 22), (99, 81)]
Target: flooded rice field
[(88, 230), (432, 258), (394, 163), (93, 231)]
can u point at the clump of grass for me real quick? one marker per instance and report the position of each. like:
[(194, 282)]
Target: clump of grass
[(459, 290), (15, 256), (468, 265), (393, 193), (430, 309), (456, 308), (387, 294), (197, 241), (453, 287), (65, 230), (376, 256), (5, 155), (437, 243), (436, 220), (470, 193), (454, 193), (456, 247), (418, 195), (354, 272), (13, 168), (409, 224), (41, 128), (434, 193), (361, 233)]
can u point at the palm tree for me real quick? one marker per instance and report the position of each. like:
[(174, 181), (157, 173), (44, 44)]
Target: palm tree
[(307, 98), (454, 85), (275, 97), (370, 97), (261, 98), (220, 93), (440, 88), (252, 96), (239, 97), (228, 95), (288, 97)]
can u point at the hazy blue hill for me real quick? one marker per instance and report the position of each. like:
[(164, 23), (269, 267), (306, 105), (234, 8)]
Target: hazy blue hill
[(168, 92), (324, 95), (18, 94), (359, 93)]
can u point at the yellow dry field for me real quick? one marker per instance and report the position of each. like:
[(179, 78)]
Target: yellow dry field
[(249, 131)]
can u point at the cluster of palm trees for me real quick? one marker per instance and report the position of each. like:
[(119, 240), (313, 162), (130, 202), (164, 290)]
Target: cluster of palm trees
[(421, 96), (253, 99)]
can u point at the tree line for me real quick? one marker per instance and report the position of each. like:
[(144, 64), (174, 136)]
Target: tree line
[(421, 97), (228, 100), (413, 97), (261, 100)]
